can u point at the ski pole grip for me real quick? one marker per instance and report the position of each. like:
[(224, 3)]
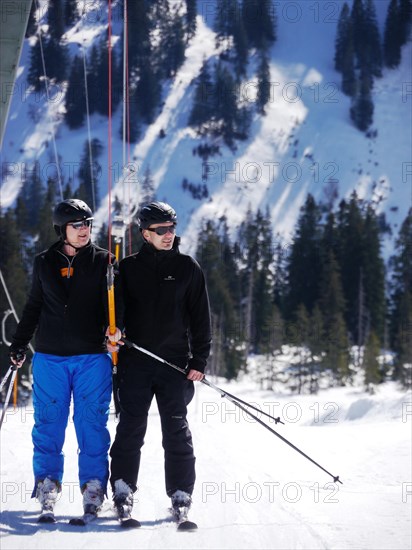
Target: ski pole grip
[(126, 342)]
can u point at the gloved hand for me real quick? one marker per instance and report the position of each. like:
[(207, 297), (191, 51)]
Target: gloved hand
[(17, 355)]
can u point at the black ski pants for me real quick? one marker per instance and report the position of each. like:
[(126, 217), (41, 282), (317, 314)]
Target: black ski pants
[(139, 379)]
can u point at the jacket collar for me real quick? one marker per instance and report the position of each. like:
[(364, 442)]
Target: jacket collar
[(58, 246), (150, 250)]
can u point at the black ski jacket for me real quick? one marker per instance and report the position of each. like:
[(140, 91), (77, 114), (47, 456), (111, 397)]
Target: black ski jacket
[(71, 316), (166, 305)]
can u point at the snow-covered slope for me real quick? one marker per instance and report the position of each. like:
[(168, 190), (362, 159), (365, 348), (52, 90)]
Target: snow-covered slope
[(253, 491), (305, 140)]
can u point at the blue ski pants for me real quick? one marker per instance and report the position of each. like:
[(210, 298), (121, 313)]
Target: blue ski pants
[(56, 379)]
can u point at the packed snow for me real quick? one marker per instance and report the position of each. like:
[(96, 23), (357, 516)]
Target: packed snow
[(253, 491)]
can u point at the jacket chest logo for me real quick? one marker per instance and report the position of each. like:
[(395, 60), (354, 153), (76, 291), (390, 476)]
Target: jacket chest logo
[(169, 278)]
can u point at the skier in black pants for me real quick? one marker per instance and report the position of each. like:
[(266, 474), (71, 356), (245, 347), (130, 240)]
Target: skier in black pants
[(166, 311)]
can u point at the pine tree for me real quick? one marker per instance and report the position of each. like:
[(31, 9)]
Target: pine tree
[(280, 287), (226, 114), (343, 36), (405, 20), (56, 60), (301, 371), (401, 302), (255, 239), (138, 34), (71, 14), (92, 82), (372, 40), (148, 187), (191, 13), (231, 33), (241, 45), (349, 82), (272, 351), (304, 262), (35, 74), (334, 332), (133, 129), (359, 26), (259, 19), (362, 108), (403, 342), (374, 273), (33, 194), (171, 32), (224, 23), (316, 348), (263, 75), (89, 171), (11, 260), (212, 253), (101, 77), (392, 37), (97, 67), (75, 100), (147, 95), (55, 19), (373, 374), (21, 214), (224, 103), (249, 254), (45, 229), (203, 102), (350, 260)]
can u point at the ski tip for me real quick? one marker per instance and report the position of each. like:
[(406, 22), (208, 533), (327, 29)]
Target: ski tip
[(46, 518), (130, 523), (77, 521), (187, 526), (83, 520)]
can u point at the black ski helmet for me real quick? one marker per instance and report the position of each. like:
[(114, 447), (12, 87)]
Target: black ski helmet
[(156, 212), (70, 210)]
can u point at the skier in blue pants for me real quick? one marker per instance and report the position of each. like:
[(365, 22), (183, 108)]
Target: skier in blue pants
[(67, 308), (88, 378)]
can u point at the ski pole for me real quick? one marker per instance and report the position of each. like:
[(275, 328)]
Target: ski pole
[(228, 395), (235, 401), (225, 394), (13, 368), (130, 344), (3, 382)]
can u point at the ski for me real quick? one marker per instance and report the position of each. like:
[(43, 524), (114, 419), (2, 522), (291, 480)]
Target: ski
[(187, 525), (46, 517), (129, 523), (83, 520)]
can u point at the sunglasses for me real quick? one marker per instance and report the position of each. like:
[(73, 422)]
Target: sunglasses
[(163, 230), (79, 225)]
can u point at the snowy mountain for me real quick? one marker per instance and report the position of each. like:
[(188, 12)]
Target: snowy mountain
[(305, 140), (253, 491)]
